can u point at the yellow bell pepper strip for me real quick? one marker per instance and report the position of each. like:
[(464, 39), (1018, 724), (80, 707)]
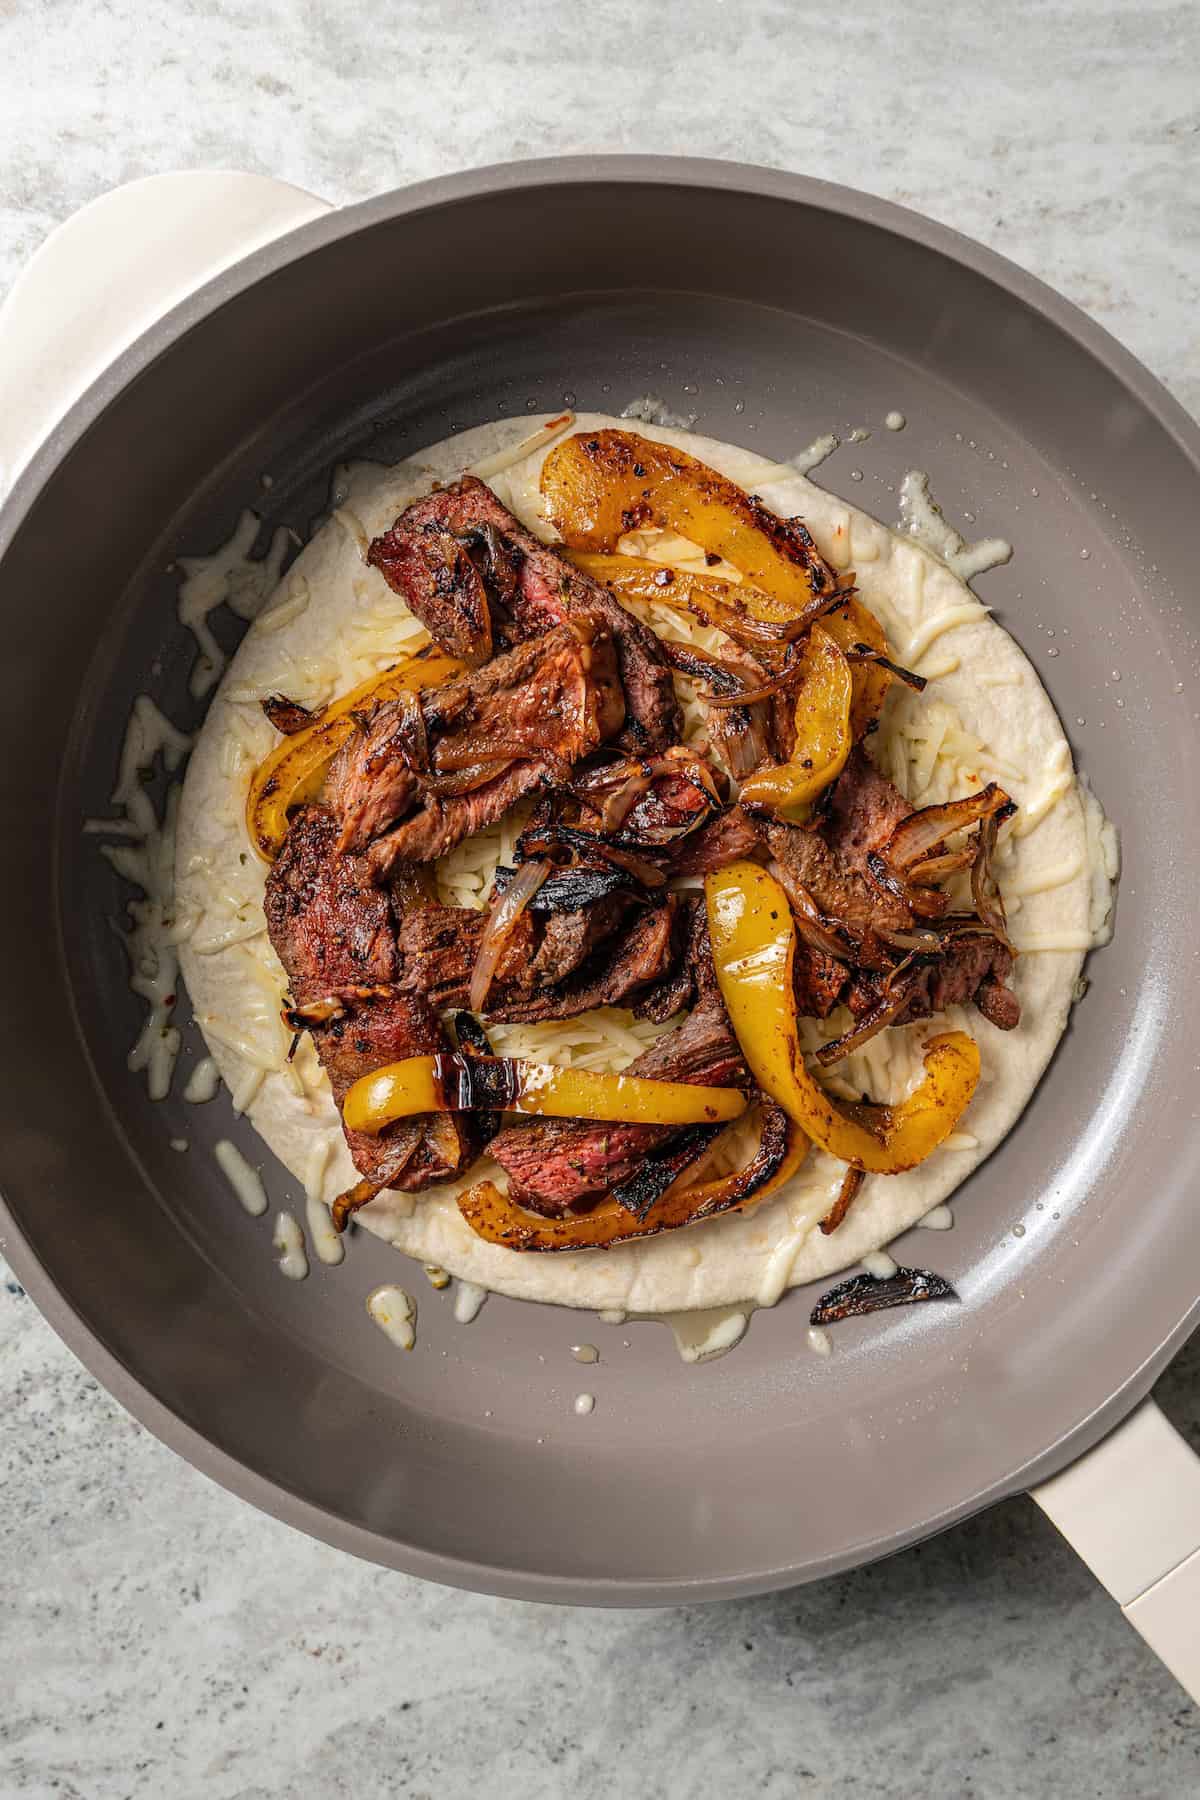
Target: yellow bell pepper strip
[(742, 612), (295, 769), (824, 692), (753, 943), (750, 617), (779, 1153), (456, 1083), (600, 484), (850, 624)]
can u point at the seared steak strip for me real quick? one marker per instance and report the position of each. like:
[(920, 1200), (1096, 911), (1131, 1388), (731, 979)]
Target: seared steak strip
[(476, 579), (497, 735), (554, 1164), (333, 931), (553, 967), (830, 867), (679, 987), (649, 802), (727, 838)]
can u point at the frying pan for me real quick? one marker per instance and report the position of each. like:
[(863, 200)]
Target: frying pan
[(189, 335)]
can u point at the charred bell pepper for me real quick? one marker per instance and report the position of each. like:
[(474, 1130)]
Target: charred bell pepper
[(741, 611), (823, 738), (753, 942), (600, 484), (854, 626), (780, 1150), (295, 769), (456, 1083)]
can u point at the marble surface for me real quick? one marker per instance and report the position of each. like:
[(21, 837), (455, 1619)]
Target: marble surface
[(157, 1637)]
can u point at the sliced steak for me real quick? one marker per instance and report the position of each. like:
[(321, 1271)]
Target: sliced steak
[(553, 967), (529, 715), (438, 946), (726, 839), (818, 981), (830, 860), (678, 988), (865, 808), (460, 550), (333, 930), (841, 892), (555, 1164), (971, 968), (614, 976), (570, 938)]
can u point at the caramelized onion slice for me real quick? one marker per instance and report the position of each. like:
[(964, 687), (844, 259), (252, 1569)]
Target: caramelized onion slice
[(465, 780), (885, 1011), (923, 902), (917, 838), (506, 909), (818, 931), (780, 1150), (947, 862), (740, 732), (985, 892), (745, 614), (791, 672)]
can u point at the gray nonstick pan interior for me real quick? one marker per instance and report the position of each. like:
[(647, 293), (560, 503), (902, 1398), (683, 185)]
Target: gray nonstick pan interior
[(775, 309)]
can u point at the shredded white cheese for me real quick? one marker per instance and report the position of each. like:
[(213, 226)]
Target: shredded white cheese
[(245, 1181), (288, 1240), (395, 1313)]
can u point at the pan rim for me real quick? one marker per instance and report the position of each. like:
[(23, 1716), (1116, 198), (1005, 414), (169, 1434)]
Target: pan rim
[(446, 191)]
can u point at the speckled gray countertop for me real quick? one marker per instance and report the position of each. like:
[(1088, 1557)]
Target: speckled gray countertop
[(159, 1638)]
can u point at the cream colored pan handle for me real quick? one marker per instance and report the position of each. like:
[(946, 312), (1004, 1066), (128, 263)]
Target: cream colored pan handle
[(110, 272), (1131, 1508)]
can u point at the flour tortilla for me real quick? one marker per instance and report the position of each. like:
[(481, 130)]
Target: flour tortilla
[(333, 620)]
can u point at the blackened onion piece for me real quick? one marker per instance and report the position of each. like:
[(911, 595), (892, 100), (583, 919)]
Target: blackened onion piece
[(288, 716), (661, 1168), (545, 839), (864, 1294), (473, 1040), (889, 1006), (864, 653), (572, 889)]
